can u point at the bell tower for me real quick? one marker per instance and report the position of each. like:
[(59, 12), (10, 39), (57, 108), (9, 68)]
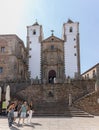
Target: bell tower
[(34, 38), (71, 49)]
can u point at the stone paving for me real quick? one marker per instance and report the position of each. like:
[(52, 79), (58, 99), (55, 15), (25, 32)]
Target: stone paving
[(52, 123)]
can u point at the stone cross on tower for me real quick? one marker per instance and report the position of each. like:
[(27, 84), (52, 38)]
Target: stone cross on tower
[(52, 32)]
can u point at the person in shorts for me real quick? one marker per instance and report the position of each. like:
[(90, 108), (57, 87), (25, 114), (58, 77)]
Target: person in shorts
[(23, 112)]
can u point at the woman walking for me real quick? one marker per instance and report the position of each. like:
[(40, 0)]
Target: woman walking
[(11, 114), (30, 112), (22, 112)]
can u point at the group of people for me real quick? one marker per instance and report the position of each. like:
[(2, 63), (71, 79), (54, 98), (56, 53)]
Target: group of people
[(20, 110)]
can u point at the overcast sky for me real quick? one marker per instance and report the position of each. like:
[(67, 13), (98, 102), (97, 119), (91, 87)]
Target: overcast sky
[(15, 15)]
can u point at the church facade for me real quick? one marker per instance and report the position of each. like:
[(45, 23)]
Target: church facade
[(54, 59)]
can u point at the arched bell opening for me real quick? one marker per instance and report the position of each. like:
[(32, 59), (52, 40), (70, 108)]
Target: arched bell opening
[(51, 76)]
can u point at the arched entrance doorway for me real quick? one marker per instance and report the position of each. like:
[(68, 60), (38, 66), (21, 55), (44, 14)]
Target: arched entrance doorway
[(51, 76)]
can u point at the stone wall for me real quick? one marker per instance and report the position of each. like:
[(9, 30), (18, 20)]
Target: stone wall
[(80, 93), (89, 103), (55, 92), (12, 59)]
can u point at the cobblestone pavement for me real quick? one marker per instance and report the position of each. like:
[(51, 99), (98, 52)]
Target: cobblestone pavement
[(52, 123)]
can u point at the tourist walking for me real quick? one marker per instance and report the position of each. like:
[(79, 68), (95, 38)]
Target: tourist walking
[(11, 114), (16, 110), (23, 111), (30, 112)]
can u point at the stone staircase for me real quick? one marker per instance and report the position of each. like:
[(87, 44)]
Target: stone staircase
[(58, 109), (75, 112)]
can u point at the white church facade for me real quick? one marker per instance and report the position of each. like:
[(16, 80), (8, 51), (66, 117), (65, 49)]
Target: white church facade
[(53, 57)]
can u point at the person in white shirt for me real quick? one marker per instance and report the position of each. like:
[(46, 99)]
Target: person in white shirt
[(30, 112)]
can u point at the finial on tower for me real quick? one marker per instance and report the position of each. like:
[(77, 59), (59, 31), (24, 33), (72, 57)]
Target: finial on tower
[(36, 20), (52, 32), (69, 21), (36, 23)]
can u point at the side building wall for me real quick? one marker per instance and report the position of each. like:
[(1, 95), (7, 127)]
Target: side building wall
[(92, 73), (13, 64)]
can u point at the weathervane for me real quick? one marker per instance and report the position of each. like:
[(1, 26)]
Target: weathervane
[(52, 32)]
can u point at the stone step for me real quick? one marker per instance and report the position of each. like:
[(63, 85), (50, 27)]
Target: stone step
[(75, 112), (59, 109)]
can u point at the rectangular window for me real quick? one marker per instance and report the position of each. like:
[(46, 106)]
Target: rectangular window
[(75, 54), (1, 70), (52, 47), (70, 29), (87, 76), (2, 49), (94, 74)]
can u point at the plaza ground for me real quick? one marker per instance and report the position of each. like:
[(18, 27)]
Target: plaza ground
[(55, 123)]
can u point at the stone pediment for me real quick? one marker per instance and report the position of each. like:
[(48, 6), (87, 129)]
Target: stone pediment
[(53, 39)]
